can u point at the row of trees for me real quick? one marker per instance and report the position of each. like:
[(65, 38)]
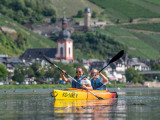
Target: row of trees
[(134, 77), (96, 45), (41, 73), (24, 11)]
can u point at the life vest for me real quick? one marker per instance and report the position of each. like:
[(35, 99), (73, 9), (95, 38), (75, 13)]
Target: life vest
[(97, 85), (76, 85)]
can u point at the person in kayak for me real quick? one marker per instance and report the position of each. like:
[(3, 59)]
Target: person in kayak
[(99, 81), (80, 77)]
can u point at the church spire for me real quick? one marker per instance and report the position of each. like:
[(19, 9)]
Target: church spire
[(64, 22)]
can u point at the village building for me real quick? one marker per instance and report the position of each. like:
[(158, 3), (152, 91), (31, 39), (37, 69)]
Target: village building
[(48, 29), (10, 63), (64, 50), (138, 65)]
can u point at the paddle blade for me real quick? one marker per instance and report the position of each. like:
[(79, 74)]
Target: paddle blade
[(47, 59), (99, 98), (116, 57)]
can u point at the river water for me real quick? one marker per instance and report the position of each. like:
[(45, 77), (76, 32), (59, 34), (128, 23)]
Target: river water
[(29, 104)]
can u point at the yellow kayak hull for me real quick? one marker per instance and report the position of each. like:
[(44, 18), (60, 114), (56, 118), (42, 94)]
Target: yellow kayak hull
[(80, 94), (79, 103)]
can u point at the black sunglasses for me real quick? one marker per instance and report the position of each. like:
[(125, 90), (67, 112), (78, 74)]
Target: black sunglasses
[(78, 71)]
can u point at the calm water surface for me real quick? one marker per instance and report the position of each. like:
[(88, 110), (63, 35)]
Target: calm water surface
[(132, 104)]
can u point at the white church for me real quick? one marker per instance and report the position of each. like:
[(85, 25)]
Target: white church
[(64, 50), (64, 44)]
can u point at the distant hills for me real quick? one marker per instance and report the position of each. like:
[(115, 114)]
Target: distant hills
[(136, 25)]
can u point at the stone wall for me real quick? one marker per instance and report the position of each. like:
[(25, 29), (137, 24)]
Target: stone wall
[(154, 84)]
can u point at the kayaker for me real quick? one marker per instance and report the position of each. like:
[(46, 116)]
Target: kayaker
[(80, 77), (99, 81)]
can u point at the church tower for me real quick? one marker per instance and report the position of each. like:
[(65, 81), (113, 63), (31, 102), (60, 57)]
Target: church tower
[(64, 43), (87, 18)]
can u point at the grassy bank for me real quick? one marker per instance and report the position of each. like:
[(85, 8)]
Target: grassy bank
[(45, 86), (116, 85), (41, 86)]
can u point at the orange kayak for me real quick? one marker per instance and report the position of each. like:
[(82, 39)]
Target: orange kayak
[(79, 94)]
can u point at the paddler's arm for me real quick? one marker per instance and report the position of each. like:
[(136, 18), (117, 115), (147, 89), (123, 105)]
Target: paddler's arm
[(88, 85), (64, 78), (105, 79)]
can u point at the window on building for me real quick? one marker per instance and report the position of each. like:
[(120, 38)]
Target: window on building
[(69, 51), (61, 50)]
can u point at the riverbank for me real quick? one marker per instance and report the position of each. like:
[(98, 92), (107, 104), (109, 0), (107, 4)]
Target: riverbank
[(39, 86), (136, 86), (54, 86)]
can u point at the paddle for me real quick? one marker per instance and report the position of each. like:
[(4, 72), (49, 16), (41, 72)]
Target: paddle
[(48, 60), (116, 57)]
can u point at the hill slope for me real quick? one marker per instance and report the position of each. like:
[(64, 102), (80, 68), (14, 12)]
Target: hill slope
[(138, 25), (9, 33), (126, 9), (138, 22), (71, 7)]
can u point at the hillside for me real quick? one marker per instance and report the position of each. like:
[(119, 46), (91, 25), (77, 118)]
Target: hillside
[(136, 25), (71, 7), (27, 11), (9, 35), (129, 9)]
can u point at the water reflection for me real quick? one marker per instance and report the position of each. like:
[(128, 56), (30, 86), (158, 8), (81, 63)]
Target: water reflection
[(80, 109)]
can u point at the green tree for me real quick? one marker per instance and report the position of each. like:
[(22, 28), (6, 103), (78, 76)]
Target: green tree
[(21, 41), (155, 66), (29, 72), (80, 14), (57, 73), (18, 74), (3, 71), (3, 38), (18, 5), (49, 72), (49, 12), (30, 4), (39, 71), (94, 14), (132, 75), (28, 11), (53, 19), (54, 37), (4, 2), (130, 20), (36, 68)]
